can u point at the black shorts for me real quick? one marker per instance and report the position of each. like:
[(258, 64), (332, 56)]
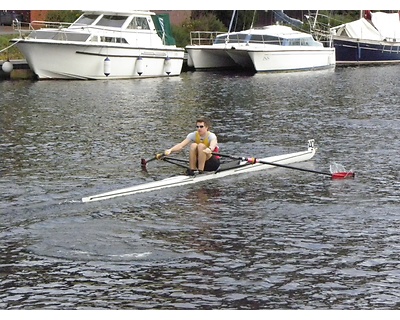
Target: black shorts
[(212, 164)]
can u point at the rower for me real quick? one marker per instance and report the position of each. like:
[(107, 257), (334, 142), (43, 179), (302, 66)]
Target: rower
[(202, 144)]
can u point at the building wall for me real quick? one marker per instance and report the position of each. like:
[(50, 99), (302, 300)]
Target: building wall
[(177, 17), (38, 15)]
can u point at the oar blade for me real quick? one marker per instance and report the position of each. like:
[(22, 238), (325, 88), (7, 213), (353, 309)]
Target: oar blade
[(338, 171), (157, 156), (343, 175), (143, 163)]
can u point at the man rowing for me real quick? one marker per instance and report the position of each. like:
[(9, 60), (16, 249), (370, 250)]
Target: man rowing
[(245, 165), (202, 143)]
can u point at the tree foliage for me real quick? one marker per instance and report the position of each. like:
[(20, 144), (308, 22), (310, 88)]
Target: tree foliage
[(241, 19), (213, 20), (206, 22), (63, 15)]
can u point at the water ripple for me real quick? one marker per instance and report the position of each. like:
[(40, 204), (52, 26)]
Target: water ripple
[(281, 239)]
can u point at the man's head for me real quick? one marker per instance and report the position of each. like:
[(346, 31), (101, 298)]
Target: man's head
[(203, 124)]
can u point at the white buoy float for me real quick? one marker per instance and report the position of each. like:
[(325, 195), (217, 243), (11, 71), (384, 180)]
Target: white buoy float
[(167, 65), (139, 65), (107, 67), (7, 66)]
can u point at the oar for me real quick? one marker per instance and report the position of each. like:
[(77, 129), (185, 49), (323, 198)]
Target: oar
[(144, 162), (161, 156), (175, 159), (337, 175), (171, 160)]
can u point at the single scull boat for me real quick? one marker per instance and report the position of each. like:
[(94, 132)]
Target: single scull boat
[(181, 180)]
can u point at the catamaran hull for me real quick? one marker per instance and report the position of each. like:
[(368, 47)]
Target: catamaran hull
[(182, 180), (262, 60), (292, 59), (205, 57)]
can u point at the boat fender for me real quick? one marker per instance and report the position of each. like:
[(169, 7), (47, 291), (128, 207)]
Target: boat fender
[(139, 65), (7, 66), (167, 65), (107, 67)]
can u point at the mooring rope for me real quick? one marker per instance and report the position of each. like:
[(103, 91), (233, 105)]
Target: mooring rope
[(10, 46)]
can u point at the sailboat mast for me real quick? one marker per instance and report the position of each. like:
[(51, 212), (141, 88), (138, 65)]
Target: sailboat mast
[(315, 20), (232, 19)]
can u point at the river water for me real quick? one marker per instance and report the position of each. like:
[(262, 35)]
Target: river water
[(279, 239)]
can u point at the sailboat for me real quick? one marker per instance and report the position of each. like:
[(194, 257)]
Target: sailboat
[(372, 39)]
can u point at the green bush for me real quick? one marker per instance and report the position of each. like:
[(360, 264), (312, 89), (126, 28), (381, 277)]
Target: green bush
[(206, 23), (63, 15)]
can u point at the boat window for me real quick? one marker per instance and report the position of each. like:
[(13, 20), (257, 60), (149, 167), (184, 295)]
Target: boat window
[(310, 42), (112, 21), (113, 40), (306, 42), (257, 39), (301, 42), (86, 19), (232, 38), (139, 23), (238, 38), (271, 40), (94, 38), (294, 42), (220, 39)]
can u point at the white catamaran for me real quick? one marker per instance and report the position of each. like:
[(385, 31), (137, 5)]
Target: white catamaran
[(243, 165)]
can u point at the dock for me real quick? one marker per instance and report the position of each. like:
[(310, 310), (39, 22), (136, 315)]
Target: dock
[(21, 71)]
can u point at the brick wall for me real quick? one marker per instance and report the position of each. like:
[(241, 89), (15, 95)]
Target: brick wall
[(38, 15), (177, 17)]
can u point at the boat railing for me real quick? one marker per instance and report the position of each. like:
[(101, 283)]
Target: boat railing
[(21, 27), (203, 37), (25, 27), (320, 28), (61, 31)]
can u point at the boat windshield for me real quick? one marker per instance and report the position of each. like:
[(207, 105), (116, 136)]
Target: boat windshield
[(307, 41), (139, 23), (86, 19), (112, 21), (231, 38), (248, 38), (263, 39)]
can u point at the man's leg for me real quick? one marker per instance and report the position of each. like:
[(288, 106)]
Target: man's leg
[(193, 156), (201, 156)]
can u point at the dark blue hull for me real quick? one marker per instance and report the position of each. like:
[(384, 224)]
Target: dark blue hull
[(351, 51)]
